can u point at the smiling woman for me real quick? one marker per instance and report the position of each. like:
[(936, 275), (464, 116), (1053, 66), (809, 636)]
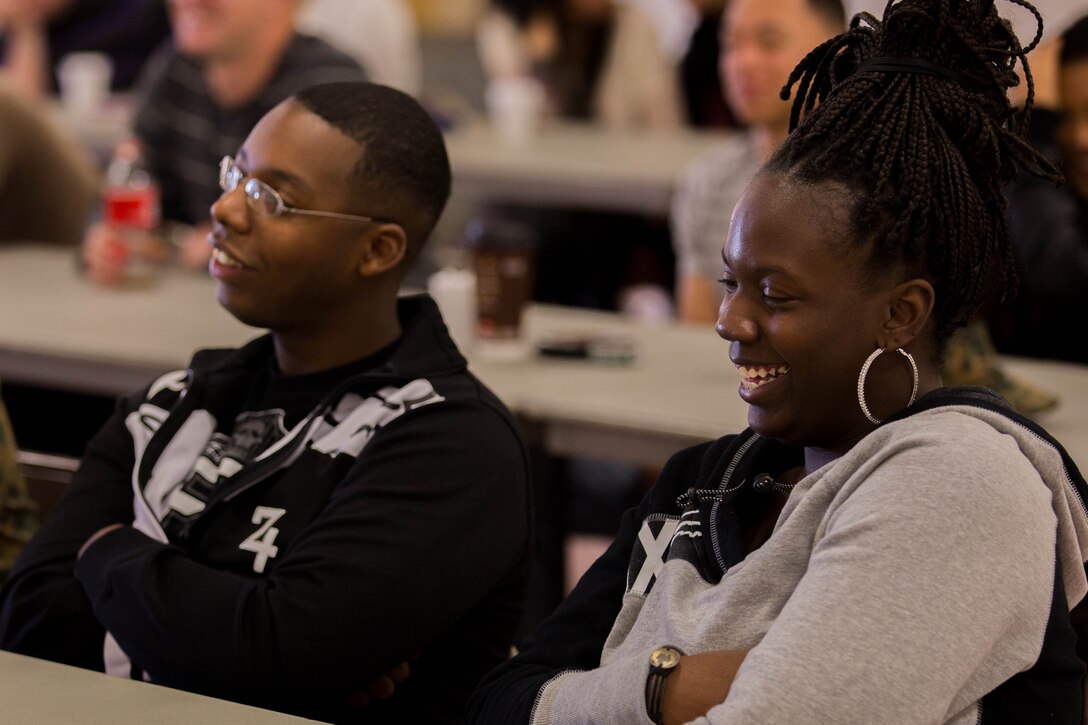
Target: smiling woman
[(891, 548), (801, 315)]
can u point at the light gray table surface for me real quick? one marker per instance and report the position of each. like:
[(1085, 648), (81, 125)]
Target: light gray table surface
[(578, 165), (60, 331), (37, 692)]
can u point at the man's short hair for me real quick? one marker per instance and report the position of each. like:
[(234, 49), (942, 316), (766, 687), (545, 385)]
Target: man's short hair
[(404, 156), (1075, 42)]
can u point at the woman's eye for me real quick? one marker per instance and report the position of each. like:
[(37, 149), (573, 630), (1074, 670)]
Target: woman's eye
[(771, 298), (728, 284)]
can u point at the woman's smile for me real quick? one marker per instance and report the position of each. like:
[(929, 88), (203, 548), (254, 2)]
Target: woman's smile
[(756, 376)]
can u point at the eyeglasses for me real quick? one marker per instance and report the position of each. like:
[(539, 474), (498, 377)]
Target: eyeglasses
[(266, 200)]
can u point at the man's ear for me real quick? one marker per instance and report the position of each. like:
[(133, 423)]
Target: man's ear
[(910, 305), (387, 245)]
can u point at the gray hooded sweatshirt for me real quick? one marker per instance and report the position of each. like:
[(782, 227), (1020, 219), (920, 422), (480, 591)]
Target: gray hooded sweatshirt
[(903, 583)]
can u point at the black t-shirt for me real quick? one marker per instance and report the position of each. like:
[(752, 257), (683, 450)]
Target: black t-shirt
[(268, 408), (275, 402)]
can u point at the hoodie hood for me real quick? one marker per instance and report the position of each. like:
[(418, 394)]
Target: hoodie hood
[(1069, 492)]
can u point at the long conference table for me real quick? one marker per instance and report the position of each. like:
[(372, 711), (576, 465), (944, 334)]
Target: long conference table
[(575, 165), (37, 692), (59, 331)]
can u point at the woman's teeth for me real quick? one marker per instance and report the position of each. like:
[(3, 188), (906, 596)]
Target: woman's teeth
[(754, 377)]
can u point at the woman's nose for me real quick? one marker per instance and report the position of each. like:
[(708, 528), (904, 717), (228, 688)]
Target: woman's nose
[(734, 322)]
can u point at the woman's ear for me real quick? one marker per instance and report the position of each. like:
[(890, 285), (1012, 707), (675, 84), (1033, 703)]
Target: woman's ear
[(909, 308), (387, 245)]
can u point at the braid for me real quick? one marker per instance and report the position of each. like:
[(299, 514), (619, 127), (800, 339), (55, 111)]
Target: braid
[(926, 149)]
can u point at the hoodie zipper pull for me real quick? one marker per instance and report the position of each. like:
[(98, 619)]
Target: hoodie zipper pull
[(695, 496)]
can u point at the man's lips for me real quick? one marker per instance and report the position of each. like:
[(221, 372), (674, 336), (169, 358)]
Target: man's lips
[(225, 259), (223, 253)]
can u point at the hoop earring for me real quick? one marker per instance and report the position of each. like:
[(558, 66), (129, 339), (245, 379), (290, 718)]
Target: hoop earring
[(865, 371)]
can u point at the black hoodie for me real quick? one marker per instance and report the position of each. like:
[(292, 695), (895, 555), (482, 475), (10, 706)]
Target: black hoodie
[(389, 524)]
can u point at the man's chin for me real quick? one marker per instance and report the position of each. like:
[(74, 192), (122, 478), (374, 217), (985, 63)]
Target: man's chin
[(239, 310), (196, 52), (195, 43)]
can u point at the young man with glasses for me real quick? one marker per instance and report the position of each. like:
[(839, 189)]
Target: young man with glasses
[(284, 523)]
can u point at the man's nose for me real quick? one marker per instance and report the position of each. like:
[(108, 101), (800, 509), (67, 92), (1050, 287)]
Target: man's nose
[(231, 210), (742, 57)]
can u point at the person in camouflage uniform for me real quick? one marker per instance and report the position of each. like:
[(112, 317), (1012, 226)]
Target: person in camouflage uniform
[(17, 512)]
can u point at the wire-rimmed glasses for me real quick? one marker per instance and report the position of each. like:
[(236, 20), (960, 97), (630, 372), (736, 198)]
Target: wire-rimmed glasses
[(266, 200)]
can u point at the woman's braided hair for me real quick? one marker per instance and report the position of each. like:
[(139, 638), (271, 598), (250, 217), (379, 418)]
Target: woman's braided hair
[(911, 114)]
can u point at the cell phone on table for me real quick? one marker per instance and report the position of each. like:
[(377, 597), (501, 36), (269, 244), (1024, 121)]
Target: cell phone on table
[(612, 349)]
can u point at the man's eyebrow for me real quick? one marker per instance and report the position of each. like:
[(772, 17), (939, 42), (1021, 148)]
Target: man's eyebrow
[(277, 176), (282, 177)]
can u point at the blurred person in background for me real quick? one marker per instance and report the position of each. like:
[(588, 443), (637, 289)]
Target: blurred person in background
[(561, 43), (640, 85), (624, 63), (380, 34), (1049, 224), (48, 185), (762, 41), (36, 34), (700, 71), (230, 63)]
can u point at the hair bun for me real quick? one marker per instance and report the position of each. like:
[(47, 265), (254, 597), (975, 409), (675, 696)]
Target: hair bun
[(967, 37), (911, 113)]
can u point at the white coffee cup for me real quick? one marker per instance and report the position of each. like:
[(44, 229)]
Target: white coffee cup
[(515, 105), (84, 81), (455, 292)]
